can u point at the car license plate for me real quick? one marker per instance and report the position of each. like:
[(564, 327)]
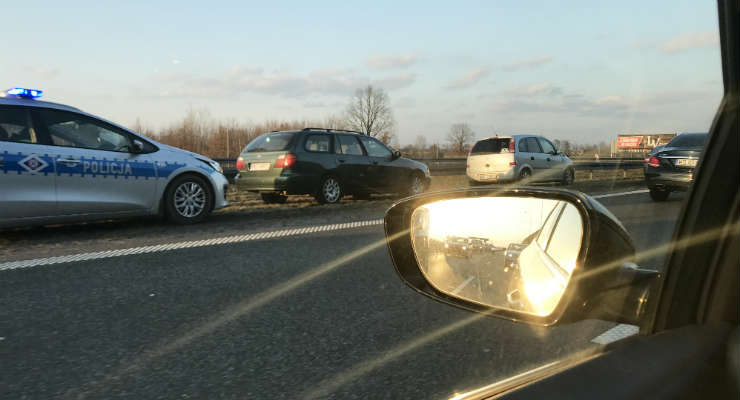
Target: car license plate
[(262, 166), (686, 162), (488, 176)]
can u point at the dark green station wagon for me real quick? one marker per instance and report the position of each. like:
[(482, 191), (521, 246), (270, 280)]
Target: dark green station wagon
[(326, 164)]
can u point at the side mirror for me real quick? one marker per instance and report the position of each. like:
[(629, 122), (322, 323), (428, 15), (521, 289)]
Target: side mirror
[(542, 256), (396, 155), (138, 146)]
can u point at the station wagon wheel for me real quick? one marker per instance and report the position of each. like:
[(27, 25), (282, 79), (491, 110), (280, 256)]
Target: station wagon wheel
[(330, 191), (188, 200)]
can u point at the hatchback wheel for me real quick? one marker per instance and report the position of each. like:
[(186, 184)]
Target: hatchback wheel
[(330, 191), (188, 200), (525, 175)]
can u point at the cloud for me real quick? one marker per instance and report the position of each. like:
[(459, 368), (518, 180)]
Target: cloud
[(469, 79), (528, 63), (534, 90), (392, 60), (396, 82), (560, 103), (689, 41), (244, 79)]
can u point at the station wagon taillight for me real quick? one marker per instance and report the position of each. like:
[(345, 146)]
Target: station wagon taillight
[(240, 163), (654, 162), (285, 160), (511, 147)]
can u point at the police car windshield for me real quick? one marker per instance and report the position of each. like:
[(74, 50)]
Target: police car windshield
[(688, 140), (271, 142)]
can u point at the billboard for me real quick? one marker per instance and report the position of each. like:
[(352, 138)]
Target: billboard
[(639, 143)]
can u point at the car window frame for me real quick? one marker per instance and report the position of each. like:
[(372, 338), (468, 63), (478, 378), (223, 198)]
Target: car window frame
[(362, 148), (554, 149), (43, 126), (362, 138), (308, 137), (30, 125), (534, 139), (519, 145)]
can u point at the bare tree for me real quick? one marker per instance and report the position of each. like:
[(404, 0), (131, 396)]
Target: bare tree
[(460, 137), (369, 112)]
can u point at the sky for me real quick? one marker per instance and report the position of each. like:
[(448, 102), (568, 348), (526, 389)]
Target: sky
[(583, 70)]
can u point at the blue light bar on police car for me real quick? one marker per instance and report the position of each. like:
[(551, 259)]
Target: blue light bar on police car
[(25, 93)]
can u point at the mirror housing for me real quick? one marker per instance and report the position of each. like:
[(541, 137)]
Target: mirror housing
[(606, 284), (396, 155), (138, 146)]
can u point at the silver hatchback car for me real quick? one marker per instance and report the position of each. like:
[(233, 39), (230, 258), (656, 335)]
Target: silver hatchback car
[(60, 164), (518, 157)]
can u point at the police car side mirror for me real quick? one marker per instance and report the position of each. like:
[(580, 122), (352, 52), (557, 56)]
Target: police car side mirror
[(138, 147), (534, 255)]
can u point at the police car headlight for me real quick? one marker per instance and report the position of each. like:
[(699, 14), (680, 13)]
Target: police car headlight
[(216, 166)]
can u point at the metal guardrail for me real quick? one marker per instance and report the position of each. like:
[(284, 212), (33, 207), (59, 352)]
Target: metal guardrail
[(452, 166), (456, 166)]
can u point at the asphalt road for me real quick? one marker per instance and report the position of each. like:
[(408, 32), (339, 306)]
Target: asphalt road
[(320, 315)]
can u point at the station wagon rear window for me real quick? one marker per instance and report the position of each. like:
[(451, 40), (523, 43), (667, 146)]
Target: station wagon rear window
[(491, 146), (277, 141)]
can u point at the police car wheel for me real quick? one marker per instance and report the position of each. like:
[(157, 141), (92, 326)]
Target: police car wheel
[(189, 200)]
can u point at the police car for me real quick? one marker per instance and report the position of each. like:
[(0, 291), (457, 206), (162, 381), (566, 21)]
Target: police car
[(58, 163)]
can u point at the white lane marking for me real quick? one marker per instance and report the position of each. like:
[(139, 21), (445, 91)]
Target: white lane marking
[(462, 285), (186, 245), (601, 196), (618, 332)]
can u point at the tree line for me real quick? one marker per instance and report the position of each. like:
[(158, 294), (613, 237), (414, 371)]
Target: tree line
[(368, 111)]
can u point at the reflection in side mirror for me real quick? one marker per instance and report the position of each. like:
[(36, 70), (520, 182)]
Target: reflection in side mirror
[(515, 253)]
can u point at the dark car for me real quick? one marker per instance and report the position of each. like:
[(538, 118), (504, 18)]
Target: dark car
[(672, 167), (326, 164)]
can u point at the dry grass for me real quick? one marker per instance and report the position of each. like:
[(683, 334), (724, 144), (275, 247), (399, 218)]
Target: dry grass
[(596, 181)]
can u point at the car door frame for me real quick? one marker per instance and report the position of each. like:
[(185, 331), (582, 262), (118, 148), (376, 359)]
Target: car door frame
[(18, 151), (555, 161), (352, 168), (380, 170), (142, 168), (534, 158)]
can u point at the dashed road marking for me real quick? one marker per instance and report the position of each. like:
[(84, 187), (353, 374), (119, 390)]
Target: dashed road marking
[(601, 196), (187, 245), (462, 285)]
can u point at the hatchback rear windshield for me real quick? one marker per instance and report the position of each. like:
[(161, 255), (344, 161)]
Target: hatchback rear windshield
[(688, 140), (489, 146), (271, 142)]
